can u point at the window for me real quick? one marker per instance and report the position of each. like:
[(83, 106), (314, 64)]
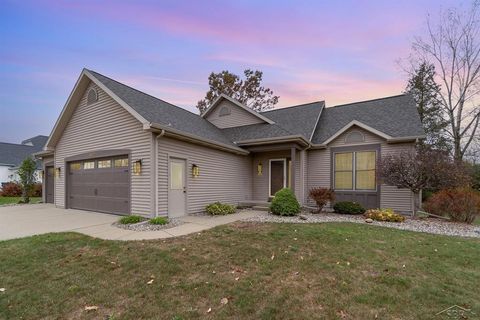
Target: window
[(365, 170), (89, 165), (344, 171), (176, 176), (104, 164), (75, 166), (354, 136), (355, 170), (121, 162), (92, 96), (224, 111)]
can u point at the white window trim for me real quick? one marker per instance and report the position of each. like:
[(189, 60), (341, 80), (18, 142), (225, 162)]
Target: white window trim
[(284, 160), (354, 172)]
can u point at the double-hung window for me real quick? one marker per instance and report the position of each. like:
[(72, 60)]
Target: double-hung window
[(355, 170)]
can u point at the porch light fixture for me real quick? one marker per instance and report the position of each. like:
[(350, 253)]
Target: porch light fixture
[(259, 169), (195, 170), (57, 172), (137, 167)]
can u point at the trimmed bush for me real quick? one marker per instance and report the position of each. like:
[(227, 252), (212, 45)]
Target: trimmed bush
[(285, 203), (220, 209), (460, 204), (384, 215), (347, 207), (130, 219), (321, 196), (159, 220), (11, 189)]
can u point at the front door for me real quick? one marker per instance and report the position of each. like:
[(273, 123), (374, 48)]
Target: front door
[(49, 184), (177, 188), (278, 177)]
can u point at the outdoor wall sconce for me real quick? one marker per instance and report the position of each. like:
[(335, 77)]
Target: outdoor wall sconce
[(195, 170), (259, 169), (57, 172), (137, 167)]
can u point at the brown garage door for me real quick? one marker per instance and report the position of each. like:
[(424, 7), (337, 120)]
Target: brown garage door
[(100, 185)]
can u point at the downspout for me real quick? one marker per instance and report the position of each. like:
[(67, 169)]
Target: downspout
[(162, 133)]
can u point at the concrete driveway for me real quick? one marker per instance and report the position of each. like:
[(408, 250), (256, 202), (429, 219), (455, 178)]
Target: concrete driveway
[(28, 220)]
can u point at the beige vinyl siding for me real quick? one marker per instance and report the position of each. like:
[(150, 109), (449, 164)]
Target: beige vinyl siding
[(223, 176), (237, 117), (319, 170), (105, 125), (261, 183)]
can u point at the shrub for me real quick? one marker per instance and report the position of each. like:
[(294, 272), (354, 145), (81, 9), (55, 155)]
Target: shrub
[(460, 204), (37, 190), (321, 196), (159, 220), (218, 208), (384, 215), (347, 207), (285, 203), (11, 189), (130, 219)]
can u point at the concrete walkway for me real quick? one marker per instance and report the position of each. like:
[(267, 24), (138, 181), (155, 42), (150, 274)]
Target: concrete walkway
[(29, 220)]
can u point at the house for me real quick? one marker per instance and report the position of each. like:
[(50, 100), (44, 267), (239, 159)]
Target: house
[(12, 155), (116, 149)]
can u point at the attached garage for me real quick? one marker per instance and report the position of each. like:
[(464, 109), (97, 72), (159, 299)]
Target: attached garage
[(99, 184)]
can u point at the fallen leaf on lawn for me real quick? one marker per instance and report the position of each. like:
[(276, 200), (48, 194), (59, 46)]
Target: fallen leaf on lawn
[(295, 230), (295, 239), (209, 310), (214, 272), (150, 282), (342, 314), (403, 266), (256, 260), (91, 308), (301, 257), (273, 256), (436, 250), (224, 301), (113, 262), (237, 278), (338, 262), (2, 289), (296, 273), (348, 263), (183, 249), (286, 252)]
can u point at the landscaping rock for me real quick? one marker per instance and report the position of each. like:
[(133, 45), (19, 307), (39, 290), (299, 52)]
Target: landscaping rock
[(368, 220), (303, 217)]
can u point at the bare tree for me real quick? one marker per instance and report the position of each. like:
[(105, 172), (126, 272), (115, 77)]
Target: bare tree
[(453, 46), (424, 168)]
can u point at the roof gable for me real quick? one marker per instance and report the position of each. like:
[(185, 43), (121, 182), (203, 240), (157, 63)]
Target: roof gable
[(392, 118), (237, 113)]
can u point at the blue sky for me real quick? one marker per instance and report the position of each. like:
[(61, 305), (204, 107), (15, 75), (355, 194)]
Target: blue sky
[(340, 51)]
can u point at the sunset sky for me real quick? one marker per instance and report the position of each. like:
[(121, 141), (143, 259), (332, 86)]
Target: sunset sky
[(338, 51)]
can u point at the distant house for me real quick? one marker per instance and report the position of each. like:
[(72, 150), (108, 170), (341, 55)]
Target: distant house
[(116, 149), (12, 155)]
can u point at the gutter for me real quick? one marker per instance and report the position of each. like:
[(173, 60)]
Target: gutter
[(292, 138), (171, 132), (155, 166)]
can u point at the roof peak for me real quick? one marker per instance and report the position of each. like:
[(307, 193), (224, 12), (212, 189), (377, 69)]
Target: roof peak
[(365, 101)]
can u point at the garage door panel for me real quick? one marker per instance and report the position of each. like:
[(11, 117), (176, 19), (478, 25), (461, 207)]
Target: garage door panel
[(105, 189)]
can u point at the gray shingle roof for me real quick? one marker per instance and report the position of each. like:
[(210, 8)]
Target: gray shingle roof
[(299, 119), (296, 120), (13, 154), (396, 116), (161, 112), (37, 141)]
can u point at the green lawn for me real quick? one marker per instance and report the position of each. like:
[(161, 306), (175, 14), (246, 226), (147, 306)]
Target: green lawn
[(266, 271), (10, 200)]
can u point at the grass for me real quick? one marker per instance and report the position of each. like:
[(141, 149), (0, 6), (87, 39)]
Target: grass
[(131, 219), (159, 220), (13, 200), (266, 271)]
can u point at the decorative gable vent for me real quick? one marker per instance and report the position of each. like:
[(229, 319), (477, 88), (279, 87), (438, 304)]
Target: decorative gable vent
[(354, 137), (92, 96), (224, 111)]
